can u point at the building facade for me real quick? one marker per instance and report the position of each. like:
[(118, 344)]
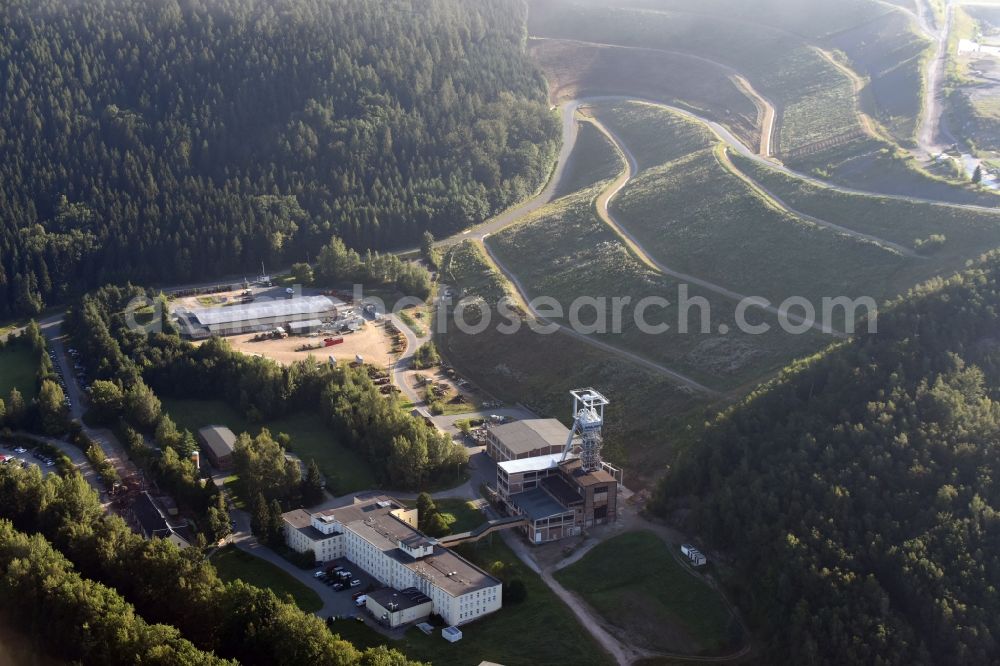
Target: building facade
[(556, 496), (380, 536)]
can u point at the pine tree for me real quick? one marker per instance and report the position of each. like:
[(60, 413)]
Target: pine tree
[(312, 485)]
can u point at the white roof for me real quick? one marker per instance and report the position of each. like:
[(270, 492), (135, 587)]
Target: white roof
[(537, 463), (309, 323), (263, 310)]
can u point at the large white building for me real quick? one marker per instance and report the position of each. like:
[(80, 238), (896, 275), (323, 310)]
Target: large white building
[(264, 315), (380, 536)]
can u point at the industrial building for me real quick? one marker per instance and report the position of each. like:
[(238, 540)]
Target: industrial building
[(560, 494), (526, 439), (380, 536), (256, 317), (218, 443), (394, 608)]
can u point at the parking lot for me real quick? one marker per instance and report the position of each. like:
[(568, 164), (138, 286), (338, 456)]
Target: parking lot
[(78, 370), (11, 454), (345, 604)]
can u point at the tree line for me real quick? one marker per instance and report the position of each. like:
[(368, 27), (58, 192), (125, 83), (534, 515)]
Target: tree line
[(404, 451), (157, 141), (45, 413), (858, 495), (165, 585)]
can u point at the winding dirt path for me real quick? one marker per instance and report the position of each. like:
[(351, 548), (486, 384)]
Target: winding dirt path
[(603, 212), (525, 301), (931, 129), (766, 113)]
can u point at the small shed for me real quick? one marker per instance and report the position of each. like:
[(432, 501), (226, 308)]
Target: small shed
[(452, 634)]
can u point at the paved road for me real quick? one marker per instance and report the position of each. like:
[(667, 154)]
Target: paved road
[(511, 215)]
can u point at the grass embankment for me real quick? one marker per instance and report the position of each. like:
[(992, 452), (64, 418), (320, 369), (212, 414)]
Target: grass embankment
[(817, 99), (648, 415), (233, 564), (637, 586), (968, 233), (18, 368), (818, 128), (695, 216), (575, 70), (345, 470), (654, 135), (565, 252), (594, 160), (539, 630)]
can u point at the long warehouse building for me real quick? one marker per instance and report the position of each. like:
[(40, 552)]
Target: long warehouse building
[(200, 323)]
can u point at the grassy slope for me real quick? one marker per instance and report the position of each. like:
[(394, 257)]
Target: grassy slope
[(576, 70), (698, 218), (817, 100), (564, 251), (648, 414), (637, 586), (653, 135), (344, 469), (234, 564), (18, 368), (814, 99), (593, 161), (968, 232), (540, 630)]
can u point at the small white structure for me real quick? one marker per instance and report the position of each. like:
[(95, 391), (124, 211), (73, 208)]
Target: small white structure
[(452, 634), (694, 555)]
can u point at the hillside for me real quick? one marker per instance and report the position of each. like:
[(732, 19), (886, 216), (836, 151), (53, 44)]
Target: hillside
[(856, 494), (168, 141)]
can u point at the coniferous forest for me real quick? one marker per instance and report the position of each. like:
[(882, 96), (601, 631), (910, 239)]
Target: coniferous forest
[(857, 496), (180, 139)]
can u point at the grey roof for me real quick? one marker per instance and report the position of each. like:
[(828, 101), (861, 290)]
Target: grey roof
[(387, 595), (151, 521), (308, 323), (537, 504), (371, 519), (285, 307), (219, 439), (301, 520), (531, 434)]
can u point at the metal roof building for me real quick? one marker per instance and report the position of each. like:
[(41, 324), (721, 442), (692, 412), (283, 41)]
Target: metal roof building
[(526, 439), (218, 442), (254, 317)]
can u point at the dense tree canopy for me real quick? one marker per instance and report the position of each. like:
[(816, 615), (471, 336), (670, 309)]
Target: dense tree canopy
[(404, 451), (858, 493), (164, 584), (173, 140)]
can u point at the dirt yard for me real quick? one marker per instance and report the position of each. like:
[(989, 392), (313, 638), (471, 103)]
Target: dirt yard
[(371, 342)]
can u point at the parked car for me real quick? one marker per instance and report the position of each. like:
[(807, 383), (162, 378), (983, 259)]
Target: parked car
[(339, 586), (319, 574), (355, 583)]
